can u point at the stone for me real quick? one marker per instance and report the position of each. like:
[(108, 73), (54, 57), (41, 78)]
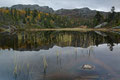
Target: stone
[(87, 67)]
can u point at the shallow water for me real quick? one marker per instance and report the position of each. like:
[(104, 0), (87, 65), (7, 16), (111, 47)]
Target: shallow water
[(57, 55)]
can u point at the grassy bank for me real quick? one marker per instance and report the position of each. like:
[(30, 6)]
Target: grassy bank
[(73, 29), (64, 29)]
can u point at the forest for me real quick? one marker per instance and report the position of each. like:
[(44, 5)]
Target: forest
[(33, 18), (36, 19)]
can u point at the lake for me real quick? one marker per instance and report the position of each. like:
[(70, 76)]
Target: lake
[(59, 55)]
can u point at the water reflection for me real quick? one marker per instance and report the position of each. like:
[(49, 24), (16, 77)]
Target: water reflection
[(24, 41), (59, 56)]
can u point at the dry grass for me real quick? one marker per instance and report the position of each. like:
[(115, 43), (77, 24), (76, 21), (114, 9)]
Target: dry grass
[(74, 29)]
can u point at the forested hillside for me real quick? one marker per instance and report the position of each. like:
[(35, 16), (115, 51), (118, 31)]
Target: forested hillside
[(27, 16), (34, 18)]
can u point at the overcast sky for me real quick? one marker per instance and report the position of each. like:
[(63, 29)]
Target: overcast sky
[(102, 5)]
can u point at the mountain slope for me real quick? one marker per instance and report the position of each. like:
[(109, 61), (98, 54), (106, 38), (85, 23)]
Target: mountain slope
[(59, 18), (79, 13), (45, 9)]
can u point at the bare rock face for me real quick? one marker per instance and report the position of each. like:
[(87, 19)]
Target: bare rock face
[(85, 13), (101, 25), (87, 67), (45, 9), (76, 13)]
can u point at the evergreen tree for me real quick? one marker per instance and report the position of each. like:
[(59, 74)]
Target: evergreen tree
[(98, 18), (35, 13), (111, 15), (28, 11)]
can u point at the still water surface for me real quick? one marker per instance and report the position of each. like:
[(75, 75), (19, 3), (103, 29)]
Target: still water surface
[(53, 55)]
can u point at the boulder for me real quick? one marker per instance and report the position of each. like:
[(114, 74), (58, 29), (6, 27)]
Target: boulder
[(87, 67), (101, 25)]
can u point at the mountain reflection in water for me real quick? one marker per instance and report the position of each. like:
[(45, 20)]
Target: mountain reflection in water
[(35, 41), (54, 55)]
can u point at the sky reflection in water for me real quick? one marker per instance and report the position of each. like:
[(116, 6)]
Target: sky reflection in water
[(21, 58)]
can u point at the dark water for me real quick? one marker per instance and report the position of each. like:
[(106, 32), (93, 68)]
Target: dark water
[(54, 55)]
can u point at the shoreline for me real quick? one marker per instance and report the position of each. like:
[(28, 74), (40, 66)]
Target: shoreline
[(73, 29), (65, 29)]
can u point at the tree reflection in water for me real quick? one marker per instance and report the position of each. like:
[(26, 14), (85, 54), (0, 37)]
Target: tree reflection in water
[(34, 41)]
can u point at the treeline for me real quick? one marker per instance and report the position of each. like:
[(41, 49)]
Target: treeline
[(34, 18), (112, 18)]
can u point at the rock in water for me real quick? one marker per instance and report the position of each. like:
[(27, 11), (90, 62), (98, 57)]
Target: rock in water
[(87, 67)]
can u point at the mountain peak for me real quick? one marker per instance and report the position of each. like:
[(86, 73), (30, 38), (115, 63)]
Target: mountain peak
[(78, 12), (86, 8), (25, 5), (45, 9)]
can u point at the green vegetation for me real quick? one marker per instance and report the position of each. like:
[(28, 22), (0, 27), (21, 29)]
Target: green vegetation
[(21, 70), (98, 18), (45, 64), (26, 19), (113, 18), (47, 39), (34, 19)]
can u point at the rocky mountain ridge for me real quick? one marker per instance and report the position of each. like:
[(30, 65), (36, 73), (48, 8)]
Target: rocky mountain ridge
[(78, 13)]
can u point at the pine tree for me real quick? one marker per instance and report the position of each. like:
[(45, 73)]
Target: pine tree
[(111, 15), (98, 18)]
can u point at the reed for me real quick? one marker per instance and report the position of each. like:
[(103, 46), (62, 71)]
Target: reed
[(21, 71), (45, 63), (75, 50), (28, 66), (15, 70), (91, 50), (57, 54), (15, 66)]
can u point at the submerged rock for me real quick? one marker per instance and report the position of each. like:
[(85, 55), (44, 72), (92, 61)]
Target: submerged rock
[(87, 67)]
